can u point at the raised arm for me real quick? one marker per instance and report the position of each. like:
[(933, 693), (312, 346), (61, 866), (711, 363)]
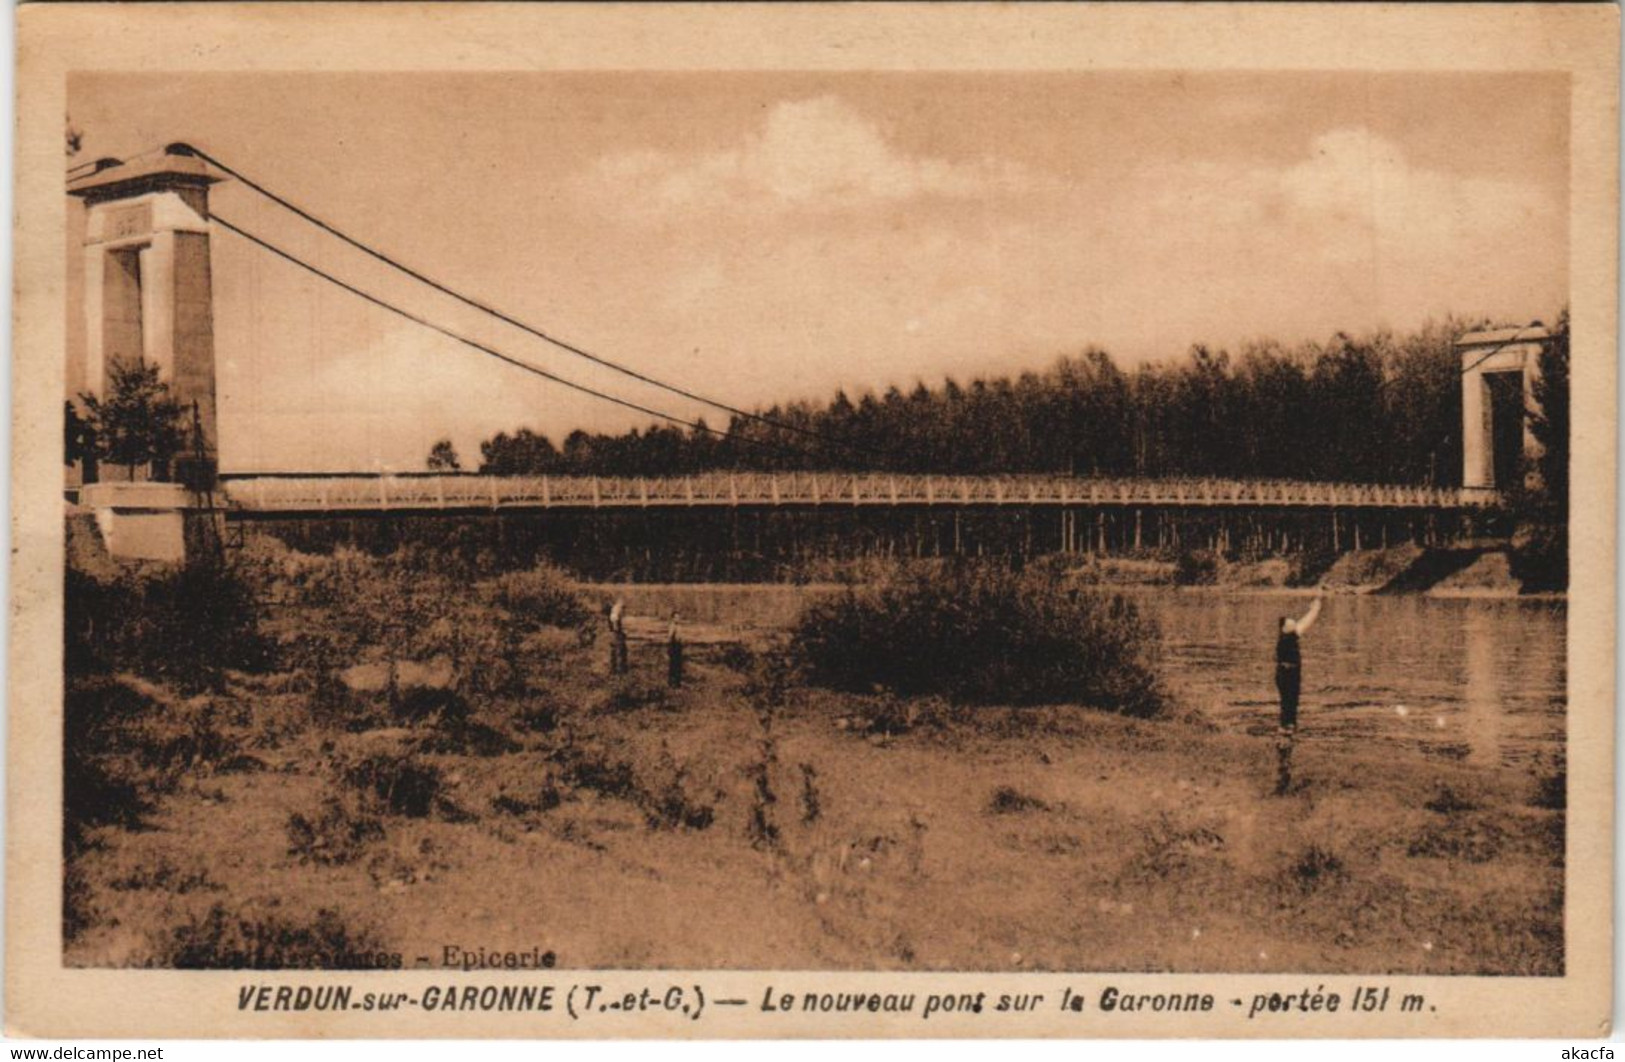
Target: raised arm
[(1307, 620)]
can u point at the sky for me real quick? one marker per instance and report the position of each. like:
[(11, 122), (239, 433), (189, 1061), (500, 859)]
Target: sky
[(766, 237)]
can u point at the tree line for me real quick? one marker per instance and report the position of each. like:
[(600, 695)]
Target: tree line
[(1379, 407)]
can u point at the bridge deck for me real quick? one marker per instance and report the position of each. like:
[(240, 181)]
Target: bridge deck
[(272, 495)]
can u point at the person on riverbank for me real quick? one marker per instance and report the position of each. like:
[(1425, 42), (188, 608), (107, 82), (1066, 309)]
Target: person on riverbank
[(618, 658), (674, 655), (1289, 684)]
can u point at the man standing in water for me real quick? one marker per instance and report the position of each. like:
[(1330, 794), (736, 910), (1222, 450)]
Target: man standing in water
[(1289, 683), (674, 655), (617, 635)]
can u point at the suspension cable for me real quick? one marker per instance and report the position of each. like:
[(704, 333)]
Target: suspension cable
[(468, 300), (695, 425)]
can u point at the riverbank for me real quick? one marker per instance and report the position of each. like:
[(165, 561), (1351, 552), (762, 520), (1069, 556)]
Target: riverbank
[(308, 815), (1475, 571)]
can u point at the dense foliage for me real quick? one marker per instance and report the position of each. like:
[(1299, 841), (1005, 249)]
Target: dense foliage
[(1543, 508), (185, 626), (984, 634), (1377, 408), (136, 424)]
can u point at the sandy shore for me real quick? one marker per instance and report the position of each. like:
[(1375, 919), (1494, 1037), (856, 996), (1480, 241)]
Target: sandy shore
[(613, 822)]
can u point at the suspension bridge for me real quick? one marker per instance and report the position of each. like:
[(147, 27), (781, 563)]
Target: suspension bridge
[(148, 287), (283, 496)]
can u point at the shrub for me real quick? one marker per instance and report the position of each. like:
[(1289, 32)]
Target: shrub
[(1008, 800), (333, 704), (79, 911), (592, 768), (542, 597), (1316, 866), (184, 626), (668, 804), (270, 940), (635, 691), (333, 836), (1312, 566), (288, 576), (465, 737), (538, 714), (1552, 783), (984, 635), (398, 786), (1449, 802), (736, 656), (893, 716), (121, 748), (429, 704), (1196, 567), (670, 807)]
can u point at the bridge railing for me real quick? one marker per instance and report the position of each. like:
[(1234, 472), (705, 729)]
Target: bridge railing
[(387, 492)]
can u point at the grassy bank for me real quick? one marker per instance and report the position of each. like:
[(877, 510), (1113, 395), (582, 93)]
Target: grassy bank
[(378, 788)]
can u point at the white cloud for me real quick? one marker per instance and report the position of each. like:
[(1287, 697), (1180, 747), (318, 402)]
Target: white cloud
[(809, 155), (1354, 178)]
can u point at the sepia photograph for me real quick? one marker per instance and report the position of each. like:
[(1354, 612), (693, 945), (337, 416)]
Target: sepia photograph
[(872, 521)]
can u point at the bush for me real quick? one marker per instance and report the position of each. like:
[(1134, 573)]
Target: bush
[(1552, 783), (398, 786), (984, 635), (1196, 567), (429, 704), (1311, 566), (314, 580), (592, 768), (269, 940), (334, 705), (1316, 866), (183, 626), (635, 691), (542, 597), (538, 714), (333, 836), (121, 748), (1008, 800)]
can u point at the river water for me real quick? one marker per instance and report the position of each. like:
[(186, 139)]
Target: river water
[(1475, 679)]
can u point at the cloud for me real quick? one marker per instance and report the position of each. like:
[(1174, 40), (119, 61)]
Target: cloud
[(1354, 178), (812, 155)]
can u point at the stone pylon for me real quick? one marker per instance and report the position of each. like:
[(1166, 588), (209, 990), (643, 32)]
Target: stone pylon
[(149, 297)]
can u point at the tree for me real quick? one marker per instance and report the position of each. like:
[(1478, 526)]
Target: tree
[(524, 453), (1374, 407), (1549, 420), (1544, 510), (79, 443), (443, 457), (138, 422)]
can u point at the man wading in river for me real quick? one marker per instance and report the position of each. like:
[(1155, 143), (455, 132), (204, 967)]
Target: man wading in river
[(618, 658), (1289, 682)]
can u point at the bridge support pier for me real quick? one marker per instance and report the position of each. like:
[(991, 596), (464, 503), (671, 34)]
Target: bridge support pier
[(153, 521), (149, 301)]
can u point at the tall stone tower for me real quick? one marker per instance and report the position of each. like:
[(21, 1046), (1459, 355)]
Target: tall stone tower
[(149, 297), (148, 292), (1498, 374)]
